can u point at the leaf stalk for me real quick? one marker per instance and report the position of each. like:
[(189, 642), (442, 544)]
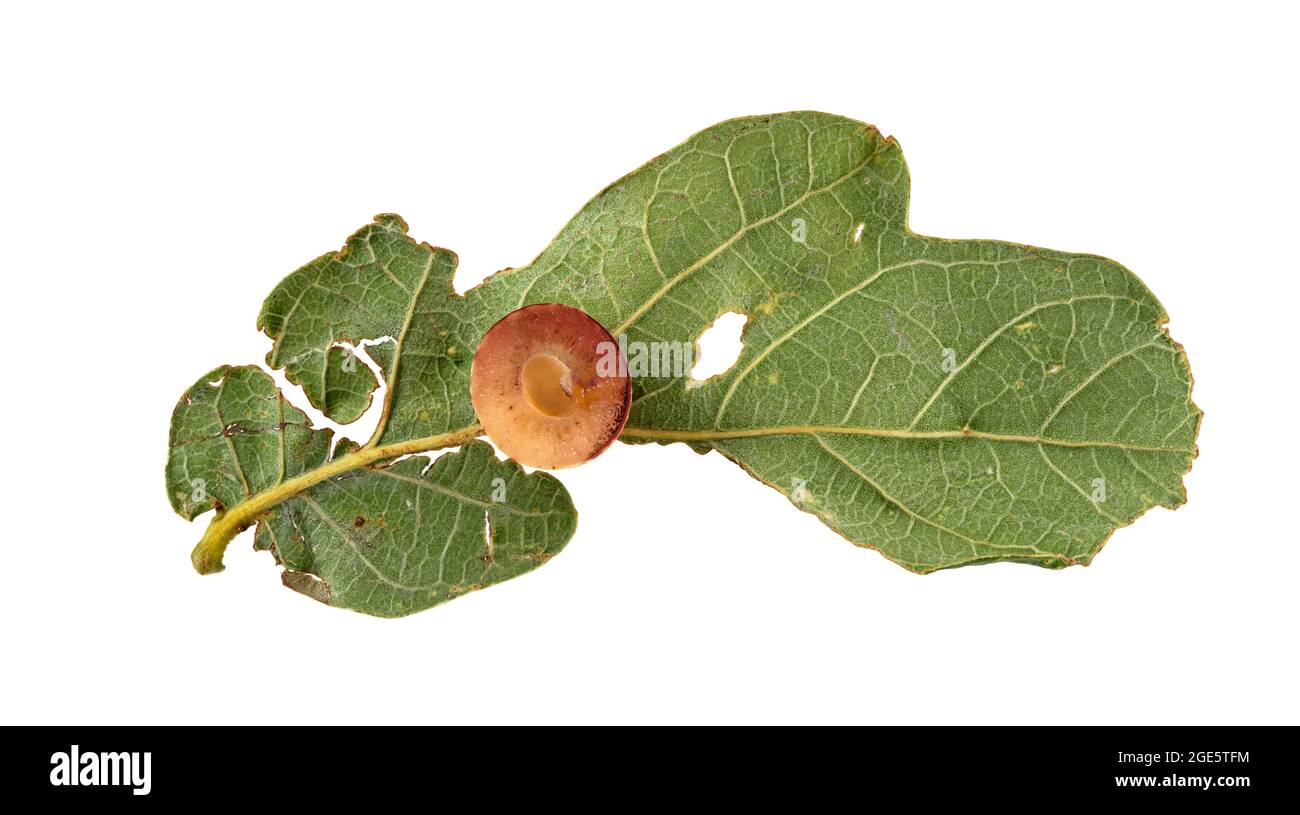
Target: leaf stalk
[(228, 523)]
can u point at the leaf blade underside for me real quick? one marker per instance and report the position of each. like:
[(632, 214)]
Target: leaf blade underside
[(1059, 371), (945, 402)]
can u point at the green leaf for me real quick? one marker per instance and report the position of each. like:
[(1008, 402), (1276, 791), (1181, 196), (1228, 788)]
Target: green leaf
[(946, 402), (362, 528)]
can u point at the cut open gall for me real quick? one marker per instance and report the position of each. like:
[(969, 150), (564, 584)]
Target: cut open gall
[(550, 386)]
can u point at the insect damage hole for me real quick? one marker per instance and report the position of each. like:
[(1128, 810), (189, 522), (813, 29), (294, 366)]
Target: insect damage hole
[(488, 557), (719, 346)]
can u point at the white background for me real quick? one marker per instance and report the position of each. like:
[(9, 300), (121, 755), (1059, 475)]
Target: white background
[(164, 167)]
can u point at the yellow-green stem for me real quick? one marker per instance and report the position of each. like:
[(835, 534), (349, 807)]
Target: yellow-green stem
[(223, 529)]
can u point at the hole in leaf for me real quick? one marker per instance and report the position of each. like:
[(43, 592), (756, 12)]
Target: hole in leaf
[(363, 427), (719, 346)]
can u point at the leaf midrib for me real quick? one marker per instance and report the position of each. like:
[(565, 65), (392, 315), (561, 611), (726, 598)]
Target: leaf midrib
[(229, 523), (399, 345), (656, 434)]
